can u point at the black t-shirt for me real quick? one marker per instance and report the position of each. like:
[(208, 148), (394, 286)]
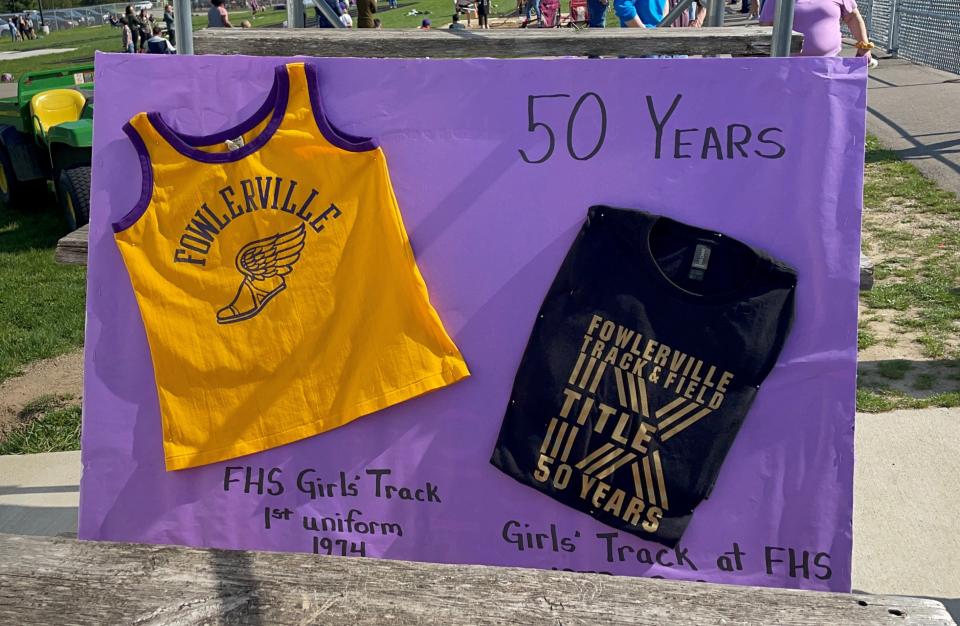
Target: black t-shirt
[(642, 364)]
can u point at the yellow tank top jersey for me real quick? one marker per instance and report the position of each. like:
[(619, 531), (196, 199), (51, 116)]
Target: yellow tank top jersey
[(276, 282)]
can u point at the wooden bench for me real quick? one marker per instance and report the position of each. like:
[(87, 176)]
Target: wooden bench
[(72, 249), (503, 43), (52, 580)]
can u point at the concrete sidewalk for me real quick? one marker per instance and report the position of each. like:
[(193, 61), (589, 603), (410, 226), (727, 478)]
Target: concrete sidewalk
[(915, 110), (39, 493), (906, 505), (904, 519)]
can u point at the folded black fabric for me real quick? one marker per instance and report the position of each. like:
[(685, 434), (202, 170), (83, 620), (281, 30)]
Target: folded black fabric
[(642, 364)]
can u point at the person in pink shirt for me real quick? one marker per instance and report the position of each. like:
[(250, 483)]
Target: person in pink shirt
[(819, 21)]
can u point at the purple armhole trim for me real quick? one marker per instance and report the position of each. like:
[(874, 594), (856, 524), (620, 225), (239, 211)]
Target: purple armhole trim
[(340, 139), (277, 101), (146, 184)]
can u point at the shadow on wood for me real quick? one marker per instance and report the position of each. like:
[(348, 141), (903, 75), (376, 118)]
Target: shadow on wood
[(44, 580)]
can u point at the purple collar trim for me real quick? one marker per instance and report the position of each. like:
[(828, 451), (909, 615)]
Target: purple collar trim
[(187, 145)]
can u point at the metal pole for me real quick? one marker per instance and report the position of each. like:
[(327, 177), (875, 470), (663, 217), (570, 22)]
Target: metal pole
[(893, 41), (715, 13), (328, 13), (782, 28), (40, 4), (295, 16), (184, 26), (676, 12)]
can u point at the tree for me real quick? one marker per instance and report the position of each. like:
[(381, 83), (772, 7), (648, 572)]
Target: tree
[(16, 6)]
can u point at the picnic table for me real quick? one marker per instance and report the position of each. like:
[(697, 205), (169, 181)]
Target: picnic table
[(46, 580)]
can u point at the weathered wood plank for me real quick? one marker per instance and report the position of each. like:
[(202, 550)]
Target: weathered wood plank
[(50, 580), (547, 42), (72, 248)]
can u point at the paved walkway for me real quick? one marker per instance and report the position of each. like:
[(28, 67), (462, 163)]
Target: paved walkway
[(39, 493), (905, 504), (915, 110), (11, 55), (912, 109)]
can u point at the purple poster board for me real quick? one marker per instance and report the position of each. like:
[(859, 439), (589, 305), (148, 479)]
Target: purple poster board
[(489, 231)]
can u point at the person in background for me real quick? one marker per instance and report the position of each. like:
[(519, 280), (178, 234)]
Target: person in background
[(169, 20), (534, 5), (819, 22), (217, 16), (597, 11), (483, 10), (345, 18), (684, 20), (365, 11), (157, 44), (377, 23), (11, 27), (126, 36), (455, 24), (425, 24), (146, 26), (322, 21), (133, 23), (464, 7), (640, 13)]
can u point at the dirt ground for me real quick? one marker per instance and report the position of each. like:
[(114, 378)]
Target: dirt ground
[(59, 376), (901, 237)]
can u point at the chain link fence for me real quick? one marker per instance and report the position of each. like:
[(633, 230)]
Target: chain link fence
[(924, 31), (63, 19)]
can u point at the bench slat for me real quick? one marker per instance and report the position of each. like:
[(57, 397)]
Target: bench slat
[(45, 580), (512, 42), (72, 249)]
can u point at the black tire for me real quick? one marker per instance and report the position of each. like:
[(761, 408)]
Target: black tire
[(74, 196), (11, 189)]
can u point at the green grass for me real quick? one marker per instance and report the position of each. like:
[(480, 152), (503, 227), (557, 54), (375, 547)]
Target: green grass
[(894, 370), (89, 39), (41, 302), (865, 338), (902, 180), (920, 240), (914, 226), (440, 13), (48, 424), (878, 400), (924, 382)]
